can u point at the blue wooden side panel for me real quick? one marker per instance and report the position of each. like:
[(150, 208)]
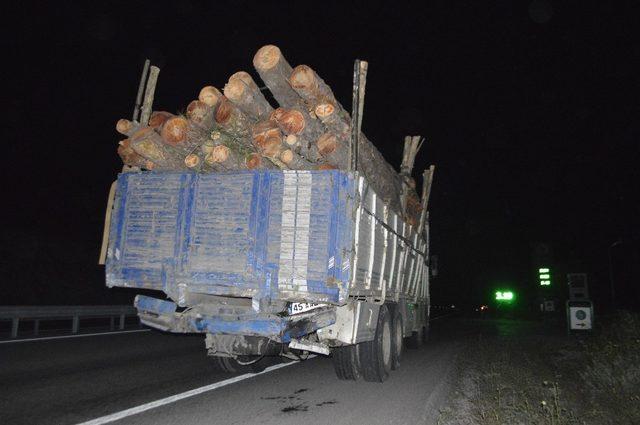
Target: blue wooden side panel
[(144, 228), (229, 234), (222, 252)]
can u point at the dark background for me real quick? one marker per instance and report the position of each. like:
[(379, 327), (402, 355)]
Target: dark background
[(530, 110)]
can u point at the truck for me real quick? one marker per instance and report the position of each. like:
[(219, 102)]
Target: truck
[(267, 263), (273, 263)]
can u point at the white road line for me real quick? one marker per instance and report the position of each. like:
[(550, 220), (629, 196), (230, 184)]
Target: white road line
[(172, 399), (72, 336)]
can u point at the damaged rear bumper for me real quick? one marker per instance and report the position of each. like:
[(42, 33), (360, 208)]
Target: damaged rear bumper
[(161, 314)]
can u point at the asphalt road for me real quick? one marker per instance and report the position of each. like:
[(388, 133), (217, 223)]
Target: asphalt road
[(69, 381)]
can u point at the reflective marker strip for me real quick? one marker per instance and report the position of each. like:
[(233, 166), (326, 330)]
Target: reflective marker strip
[(393, 255), (372, 241), (356, 232), (172, 399), (385, 244), (294, 233)]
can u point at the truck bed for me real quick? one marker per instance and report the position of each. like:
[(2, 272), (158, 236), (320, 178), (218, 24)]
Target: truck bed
[(286, 235)]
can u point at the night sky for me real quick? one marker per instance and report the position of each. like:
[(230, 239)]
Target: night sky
[(530, 110)]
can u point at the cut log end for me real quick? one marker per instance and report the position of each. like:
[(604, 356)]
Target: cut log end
[(234, 89), (324, 110), (253, 161), (267, 57), (327, 143), (192, 160), (287, 156), (291, 139), (290, 121), (264, 130), (271, 147), (303, 78), (174, 130), (219, 154), (197, 111), (124, 126), (243, 76), (210, 95)]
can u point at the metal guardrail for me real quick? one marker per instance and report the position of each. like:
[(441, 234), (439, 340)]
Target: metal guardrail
[(74, 313)]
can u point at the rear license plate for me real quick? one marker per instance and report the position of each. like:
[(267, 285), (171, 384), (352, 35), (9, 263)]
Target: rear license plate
[(297, 308)]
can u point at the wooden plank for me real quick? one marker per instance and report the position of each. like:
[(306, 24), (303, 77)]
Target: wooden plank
[(107, 225)]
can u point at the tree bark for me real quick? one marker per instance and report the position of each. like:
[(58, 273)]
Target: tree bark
[(381, 175), (408, 194), (315, 92), (150, 145), (131, 158), (149, 93), (329, 148), (232, 120), (274, 70), (245, 94)]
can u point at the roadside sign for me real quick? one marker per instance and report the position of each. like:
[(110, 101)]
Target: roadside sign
[(579, 315), (578, 288)]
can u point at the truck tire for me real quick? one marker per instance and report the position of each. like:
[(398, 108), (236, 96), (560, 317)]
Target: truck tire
[(345, 362), (375, 356), (230, 365), (397, 340)]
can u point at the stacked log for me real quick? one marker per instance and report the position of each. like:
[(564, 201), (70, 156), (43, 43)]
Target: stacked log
[(238, 128)]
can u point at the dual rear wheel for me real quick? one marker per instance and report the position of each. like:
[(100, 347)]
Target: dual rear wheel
[(373, 360)]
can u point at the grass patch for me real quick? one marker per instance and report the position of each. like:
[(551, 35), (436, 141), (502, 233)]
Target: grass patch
[(538, 378)]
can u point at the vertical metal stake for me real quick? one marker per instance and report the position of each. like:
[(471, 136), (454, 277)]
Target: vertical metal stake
[(355, 107), (143, 79), (359, 82)]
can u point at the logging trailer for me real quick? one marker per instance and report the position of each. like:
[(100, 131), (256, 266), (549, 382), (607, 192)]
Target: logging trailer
[(270, 263)]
